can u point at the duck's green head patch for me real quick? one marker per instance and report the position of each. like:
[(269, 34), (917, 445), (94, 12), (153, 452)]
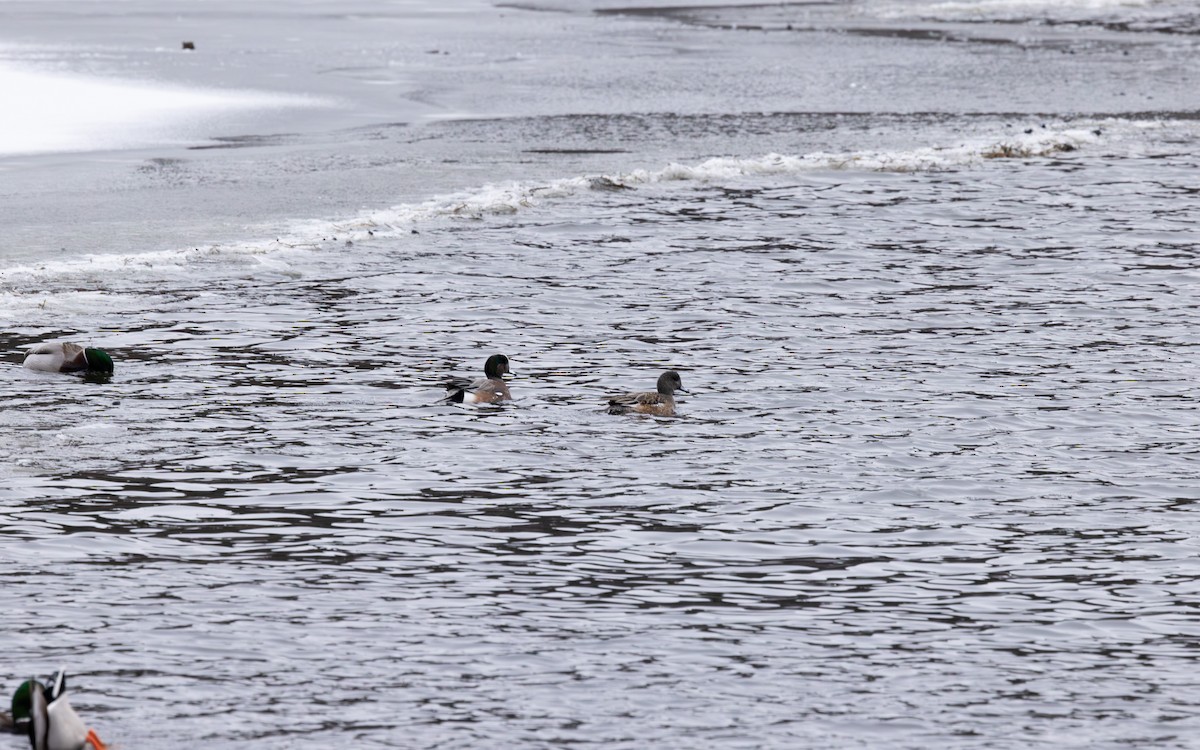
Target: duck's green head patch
[(98, 360), (22, 703)]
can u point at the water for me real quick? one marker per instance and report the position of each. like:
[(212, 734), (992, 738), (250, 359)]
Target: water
[(934, 485)]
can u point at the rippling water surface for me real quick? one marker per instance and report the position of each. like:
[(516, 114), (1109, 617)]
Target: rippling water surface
[(934, 484)]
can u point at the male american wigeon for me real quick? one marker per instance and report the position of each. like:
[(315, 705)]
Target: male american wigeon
[(63, 356), (487, 390), (660, 402)]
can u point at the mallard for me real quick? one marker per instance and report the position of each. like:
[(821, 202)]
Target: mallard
[(63, 356), (45, 713), (487, 390), (660, 402)]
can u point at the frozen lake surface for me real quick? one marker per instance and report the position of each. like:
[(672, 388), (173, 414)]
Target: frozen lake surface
[(928, 270)]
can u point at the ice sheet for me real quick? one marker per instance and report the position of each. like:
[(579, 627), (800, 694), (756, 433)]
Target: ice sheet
[(51, 112)]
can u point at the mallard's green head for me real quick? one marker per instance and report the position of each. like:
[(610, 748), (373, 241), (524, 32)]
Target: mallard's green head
[(98, 360), (22, 703)]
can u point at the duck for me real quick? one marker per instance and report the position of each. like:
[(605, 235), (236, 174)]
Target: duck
[(46, 714), (63, 356), (489, 389), (659, 402)]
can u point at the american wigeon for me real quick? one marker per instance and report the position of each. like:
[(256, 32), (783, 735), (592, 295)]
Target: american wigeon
[(660, 402), (487, 390), (63, 356), (46, 714)]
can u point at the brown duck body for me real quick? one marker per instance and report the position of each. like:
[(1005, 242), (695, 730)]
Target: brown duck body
[(659, 402), (482, 391)]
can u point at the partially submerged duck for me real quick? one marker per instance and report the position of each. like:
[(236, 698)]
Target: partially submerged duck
[(43, 712), (63, 356), (659, 402), (489, 389)]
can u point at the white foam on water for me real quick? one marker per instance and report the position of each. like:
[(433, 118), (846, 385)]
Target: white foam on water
[(513, 197), (26, 286), (958, 9), (52, 112)]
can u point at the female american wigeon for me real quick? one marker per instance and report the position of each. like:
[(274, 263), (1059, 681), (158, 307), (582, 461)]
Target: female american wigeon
[(660, 402), (487, 390), (63, 356)]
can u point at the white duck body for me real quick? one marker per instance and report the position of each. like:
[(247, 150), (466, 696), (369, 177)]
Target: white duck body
[(56, 726)]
